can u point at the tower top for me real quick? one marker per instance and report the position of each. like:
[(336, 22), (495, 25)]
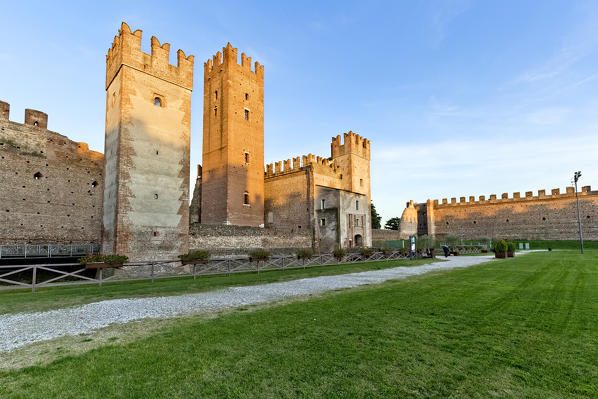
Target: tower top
[(353, 144), (126, 50), (228, 59)]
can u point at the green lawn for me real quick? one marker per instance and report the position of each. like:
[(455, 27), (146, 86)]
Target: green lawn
[(522, 327), (13, 301)]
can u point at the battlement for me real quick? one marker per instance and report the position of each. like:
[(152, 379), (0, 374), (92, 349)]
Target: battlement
[(228, 58), (33, 117), (353, 144), (126, 50), (320, 165), (516, 197)]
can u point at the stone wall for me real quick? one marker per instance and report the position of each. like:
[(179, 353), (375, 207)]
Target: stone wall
[(540, 217), (386, 235), (50, 187), (240, 240)]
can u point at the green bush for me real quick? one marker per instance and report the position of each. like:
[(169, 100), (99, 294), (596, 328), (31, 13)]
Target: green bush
[(259, 255), (386, 251), (304, 253), (500, 246), (196, 255), (339, 253), (108, 259), (511, 246), (425, 242), (366, 252), (452, 241)]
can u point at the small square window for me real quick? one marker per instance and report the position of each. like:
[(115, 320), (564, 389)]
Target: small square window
[(246, 157), (246, 114), (322, 222)]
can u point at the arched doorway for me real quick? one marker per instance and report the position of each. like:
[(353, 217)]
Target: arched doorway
[(358, 240)]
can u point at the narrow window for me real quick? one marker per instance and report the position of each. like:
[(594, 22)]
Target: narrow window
[(322, 222), (216, 95), (246, 198), (323, 203), (357, 205), (246, 114), (361, 182), (157, 102), (246, 157), (246, 96), (155, 196), (94, 184), (215, 111), (37, 176)]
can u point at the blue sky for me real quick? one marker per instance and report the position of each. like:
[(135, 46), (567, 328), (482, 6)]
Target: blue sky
[(458, 97)]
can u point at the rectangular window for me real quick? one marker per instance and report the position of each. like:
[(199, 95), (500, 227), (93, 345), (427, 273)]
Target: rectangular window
[(246, 114), (323, 204), (356, 222), (246, 198), (322, 222), (246, 157), (361, 182), (357, 205), (216, 95)]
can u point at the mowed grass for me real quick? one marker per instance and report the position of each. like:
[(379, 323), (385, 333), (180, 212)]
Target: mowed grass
[(523, 327), (13, 301)]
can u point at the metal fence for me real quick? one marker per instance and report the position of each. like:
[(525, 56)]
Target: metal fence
[(26, 251), (48, 275)]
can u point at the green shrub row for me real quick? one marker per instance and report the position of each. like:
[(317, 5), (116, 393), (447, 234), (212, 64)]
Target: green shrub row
[(108, 259)]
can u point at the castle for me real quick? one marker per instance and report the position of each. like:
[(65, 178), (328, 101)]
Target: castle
[(542, 217), (134, 198)]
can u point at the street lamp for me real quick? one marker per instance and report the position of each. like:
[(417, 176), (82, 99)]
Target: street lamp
[(576, 177)]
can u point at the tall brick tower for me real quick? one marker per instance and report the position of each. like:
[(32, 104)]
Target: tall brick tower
[(148, 120), (233, 141)]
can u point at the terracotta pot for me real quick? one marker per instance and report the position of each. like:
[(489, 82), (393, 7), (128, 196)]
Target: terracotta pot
[(500, 255), (102, 265)]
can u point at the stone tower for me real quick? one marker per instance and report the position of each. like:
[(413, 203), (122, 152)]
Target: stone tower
[(353, 159), (148, 120), (233, 141)]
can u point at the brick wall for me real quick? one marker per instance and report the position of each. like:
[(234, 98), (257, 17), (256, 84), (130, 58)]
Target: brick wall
[(50, 187)]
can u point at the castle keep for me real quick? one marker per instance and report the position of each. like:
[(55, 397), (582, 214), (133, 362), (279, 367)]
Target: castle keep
[(148, 122), (543, 216)]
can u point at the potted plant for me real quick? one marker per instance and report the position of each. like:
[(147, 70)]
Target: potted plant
[(366, 252), (304, 254), (339, 254), (511, 249), (500, 249), (103, 261), (259, 255), (195, 257)]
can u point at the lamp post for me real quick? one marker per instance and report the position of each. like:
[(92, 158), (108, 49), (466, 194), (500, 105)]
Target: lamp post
[(576, 177)]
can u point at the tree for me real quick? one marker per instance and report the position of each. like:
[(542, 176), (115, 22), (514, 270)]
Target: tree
[(375, 217), (393, 223)]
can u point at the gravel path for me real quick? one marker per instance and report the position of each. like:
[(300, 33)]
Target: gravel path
[(20, 329)]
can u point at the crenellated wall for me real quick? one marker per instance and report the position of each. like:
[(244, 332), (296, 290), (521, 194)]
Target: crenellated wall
[(50, 187), (542, 216)]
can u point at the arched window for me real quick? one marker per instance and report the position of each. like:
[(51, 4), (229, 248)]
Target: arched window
[(157, 102), (35, 123)]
